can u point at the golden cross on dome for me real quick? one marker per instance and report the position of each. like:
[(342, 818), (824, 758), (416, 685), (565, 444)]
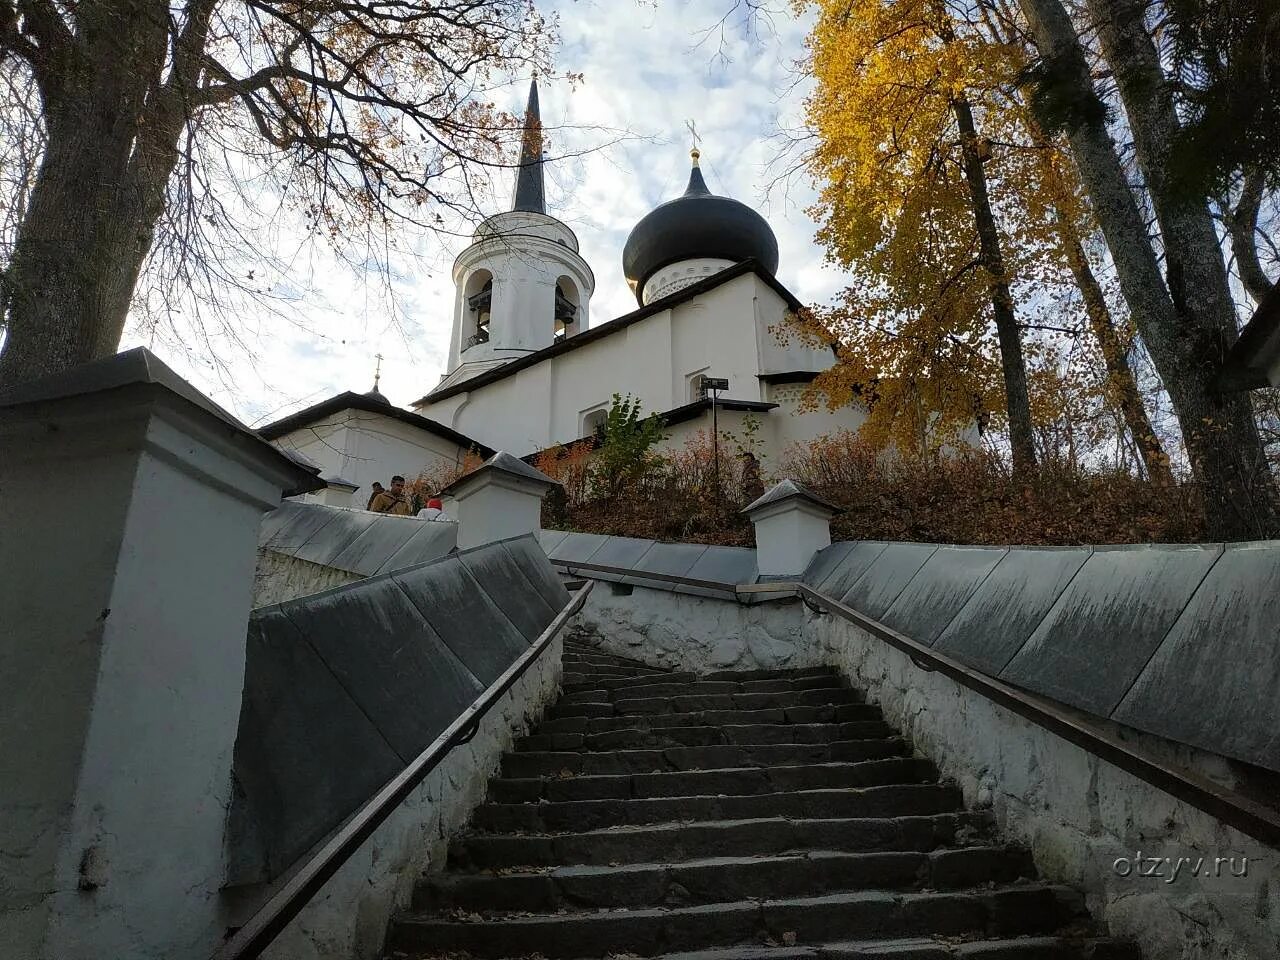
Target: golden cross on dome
[(693, 132)]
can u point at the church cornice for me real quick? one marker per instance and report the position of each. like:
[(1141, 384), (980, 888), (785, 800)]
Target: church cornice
[(613, 326)]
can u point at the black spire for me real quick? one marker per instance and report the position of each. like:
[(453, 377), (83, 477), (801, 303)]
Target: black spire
[(529, 194), (697, 186)]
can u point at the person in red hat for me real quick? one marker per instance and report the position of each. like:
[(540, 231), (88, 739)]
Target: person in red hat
[(434, 510)]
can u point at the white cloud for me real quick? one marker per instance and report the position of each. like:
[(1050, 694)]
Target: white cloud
[(645, 69)]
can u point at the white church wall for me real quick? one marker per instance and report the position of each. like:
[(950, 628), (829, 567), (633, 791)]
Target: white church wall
[(777, 354), (363, 447)]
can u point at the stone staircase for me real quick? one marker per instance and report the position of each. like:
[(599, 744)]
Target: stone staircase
[(756, 815)]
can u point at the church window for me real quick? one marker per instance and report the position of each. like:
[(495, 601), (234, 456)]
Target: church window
[(593, 423), (479, 304), (566, 309)]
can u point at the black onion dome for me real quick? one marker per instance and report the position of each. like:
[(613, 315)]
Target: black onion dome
[(695, 225)]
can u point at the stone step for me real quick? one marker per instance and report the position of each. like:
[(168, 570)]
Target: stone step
[(677, 684), (823, 713), (1003, 911), (706, 736), (575, 763), (577, 678), (674, 842), (734, 781), (587, 664), (930, 948), (688, 703), (874, 801), (716, 879)]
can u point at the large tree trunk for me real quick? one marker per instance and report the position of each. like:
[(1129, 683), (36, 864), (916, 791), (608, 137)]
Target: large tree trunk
[(1021, 433), (1121, 382), (112, 130), (1220, 434)]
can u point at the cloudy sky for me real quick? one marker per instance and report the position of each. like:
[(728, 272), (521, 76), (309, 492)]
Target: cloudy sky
[(646, 69)]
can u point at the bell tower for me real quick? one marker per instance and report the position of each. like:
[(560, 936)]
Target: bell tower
[(521, 286)]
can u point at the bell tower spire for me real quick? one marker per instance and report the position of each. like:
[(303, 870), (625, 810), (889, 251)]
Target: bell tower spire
[(529, 195)]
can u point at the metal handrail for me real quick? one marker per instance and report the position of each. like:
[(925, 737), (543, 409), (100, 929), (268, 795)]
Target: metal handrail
[(1232, 808), (1248, 816), (276, 914), (574, 565)]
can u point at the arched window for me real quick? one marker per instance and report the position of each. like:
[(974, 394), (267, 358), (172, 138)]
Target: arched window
[(566, 309), (479, 293), (593, 423)]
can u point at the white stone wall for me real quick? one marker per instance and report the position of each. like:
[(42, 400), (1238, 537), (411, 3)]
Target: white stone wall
[(362, 447), (280, 577), (724, 332), (349, 917), (1076, 813), (685, 632)]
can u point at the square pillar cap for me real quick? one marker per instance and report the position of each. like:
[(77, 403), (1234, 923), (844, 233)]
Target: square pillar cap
[(503, 463), (790, 490), (336, 482), (141, 371)]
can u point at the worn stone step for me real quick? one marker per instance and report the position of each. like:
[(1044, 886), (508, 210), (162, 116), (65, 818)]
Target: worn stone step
[(684, 684), (688, 703), (930, 948), (717, 838), (706, 736), (823, 713), (575, 678), (874, 801), (732, 781), (1004, 911), (590, 662), (716, 879), (570, 762)]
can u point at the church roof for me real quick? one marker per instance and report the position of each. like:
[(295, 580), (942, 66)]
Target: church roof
[(697, 225), (530, 195), (362, 401), (613, 326)]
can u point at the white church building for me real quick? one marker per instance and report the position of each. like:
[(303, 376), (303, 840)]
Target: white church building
[(528, 371)]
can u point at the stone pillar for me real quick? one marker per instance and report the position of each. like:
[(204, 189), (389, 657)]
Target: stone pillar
[(339, 492), (501, 498), (792, 524), (129, 514)]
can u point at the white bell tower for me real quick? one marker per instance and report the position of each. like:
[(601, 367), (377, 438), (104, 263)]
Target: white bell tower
[(521, 286)]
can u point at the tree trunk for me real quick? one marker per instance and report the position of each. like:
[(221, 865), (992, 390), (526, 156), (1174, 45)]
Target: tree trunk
[(1021, 433), (1220, 434), (99, 191), (1123, 386)]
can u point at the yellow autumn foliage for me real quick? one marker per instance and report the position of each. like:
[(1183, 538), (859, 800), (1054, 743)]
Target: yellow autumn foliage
[(914, 326)]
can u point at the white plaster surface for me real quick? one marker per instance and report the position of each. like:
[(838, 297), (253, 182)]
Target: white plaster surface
[(280, 577), (1075, 812), (685, 632), (362, 446), (788, 535), (112, 801), (491, 505), (349, 918), (725, 332)]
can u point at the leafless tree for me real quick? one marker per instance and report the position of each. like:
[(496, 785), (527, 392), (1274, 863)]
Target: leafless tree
[(148, 138)]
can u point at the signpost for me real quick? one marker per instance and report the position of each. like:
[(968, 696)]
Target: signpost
[(714, 385)]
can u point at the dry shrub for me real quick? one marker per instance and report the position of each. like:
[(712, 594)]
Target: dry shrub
[(966, 497), (970, 497), (429, 483)]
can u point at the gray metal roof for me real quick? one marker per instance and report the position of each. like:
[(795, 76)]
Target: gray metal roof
[(787, 490)]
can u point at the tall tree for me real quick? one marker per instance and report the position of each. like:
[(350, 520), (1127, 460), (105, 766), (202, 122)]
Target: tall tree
[(898, 148), (154, 112), (1181, 316)]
